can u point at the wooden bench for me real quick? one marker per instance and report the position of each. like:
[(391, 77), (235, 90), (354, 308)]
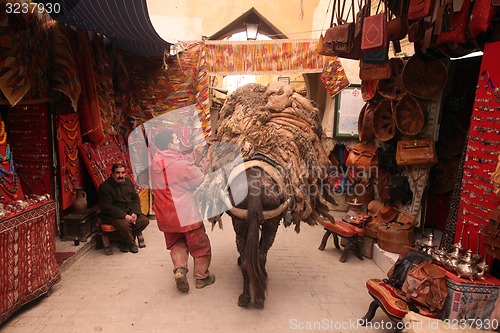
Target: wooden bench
[(351, 233), (385, 297), (105, 232)]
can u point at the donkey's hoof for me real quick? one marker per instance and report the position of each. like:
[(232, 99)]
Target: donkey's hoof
[(244, 300), (259, 304)]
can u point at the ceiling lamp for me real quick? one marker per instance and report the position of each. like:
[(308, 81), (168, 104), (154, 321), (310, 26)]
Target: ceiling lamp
[(252, 30)]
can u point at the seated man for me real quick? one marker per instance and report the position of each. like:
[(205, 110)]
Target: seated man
[(120, 207)]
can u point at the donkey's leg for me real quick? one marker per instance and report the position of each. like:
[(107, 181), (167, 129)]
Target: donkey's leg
[(268, 234), (240, 229)]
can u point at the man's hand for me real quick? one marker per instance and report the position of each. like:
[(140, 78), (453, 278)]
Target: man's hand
[(131, 218)]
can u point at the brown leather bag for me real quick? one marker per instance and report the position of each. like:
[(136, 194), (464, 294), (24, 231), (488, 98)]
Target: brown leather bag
[(397, 27), (426, 285), (374, 32), (393, 236), (363, 156), (419, 9), (337, 39), (416, 152), (374, 71), (342, 39)]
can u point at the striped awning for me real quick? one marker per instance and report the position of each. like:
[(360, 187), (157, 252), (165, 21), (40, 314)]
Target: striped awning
[(125, 22)]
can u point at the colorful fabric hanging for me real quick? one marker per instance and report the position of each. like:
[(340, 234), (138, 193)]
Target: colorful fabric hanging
[(64, 74), (279, 56), (333, 76), (68, 139)]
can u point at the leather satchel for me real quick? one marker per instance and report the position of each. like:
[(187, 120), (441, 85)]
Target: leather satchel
[(426, 285), (338, 38), (362, 156), (416, 152), (419, 9)]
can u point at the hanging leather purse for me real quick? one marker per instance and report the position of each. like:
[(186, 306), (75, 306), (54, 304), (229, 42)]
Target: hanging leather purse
[(374, 31), (369, 71), (362, 156), (460, 23), (419, 9), (416, 152), (483, 13), (363, 11)]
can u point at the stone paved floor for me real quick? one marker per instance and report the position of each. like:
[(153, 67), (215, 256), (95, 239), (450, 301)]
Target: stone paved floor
[(309, 290)]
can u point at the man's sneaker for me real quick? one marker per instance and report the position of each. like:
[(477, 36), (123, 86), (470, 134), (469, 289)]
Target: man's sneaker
[(202, 283), (133, 248), (181, 280)]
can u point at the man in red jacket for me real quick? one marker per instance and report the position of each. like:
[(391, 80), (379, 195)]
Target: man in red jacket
[(175, 176)]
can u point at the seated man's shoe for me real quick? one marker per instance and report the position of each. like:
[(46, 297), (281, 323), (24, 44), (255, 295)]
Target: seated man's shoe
[(133, 248), (123, 247), (202, 283), (140, 240), (181, 280)]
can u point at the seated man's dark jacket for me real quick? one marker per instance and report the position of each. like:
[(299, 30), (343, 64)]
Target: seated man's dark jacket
[(117, 200)]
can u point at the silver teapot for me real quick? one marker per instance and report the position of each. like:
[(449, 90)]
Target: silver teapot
[(453, 257), (439, 256), (467, 267)]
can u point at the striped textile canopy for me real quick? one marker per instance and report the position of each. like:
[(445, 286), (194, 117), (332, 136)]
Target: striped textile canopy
[(125, 23)]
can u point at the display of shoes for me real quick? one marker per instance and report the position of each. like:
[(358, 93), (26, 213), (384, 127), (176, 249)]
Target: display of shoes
[(181, 280), (202, 283)]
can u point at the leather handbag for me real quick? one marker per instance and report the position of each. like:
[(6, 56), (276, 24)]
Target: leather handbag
[(362, 156), (374, 31), (483, 13), (426, 285), (419, 9), (416, 152), (363, 11), (461, 21), (369, 71), (343, 38)]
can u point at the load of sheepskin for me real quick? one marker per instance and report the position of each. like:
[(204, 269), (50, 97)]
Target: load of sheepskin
[(282, 125)]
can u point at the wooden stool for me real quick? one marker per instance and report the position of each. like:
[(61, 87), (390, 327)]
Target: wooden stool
[(352, 234), (385, 297), (105, 231)]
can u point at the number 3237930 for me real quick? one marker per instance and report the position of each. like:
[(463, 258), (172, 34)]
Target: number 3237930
[(34, 8), (461, 324)]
